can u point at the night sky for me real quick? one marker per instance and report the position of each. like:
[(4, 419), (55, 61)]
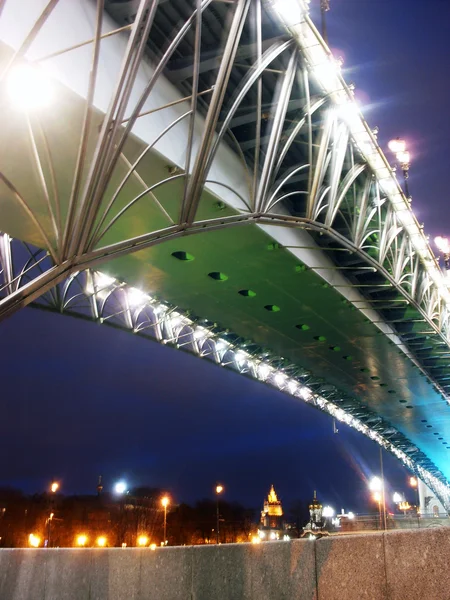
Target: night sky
[(79, 400)]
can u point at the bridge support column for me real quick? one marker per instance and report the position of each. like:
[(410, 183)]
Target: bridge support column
[(430, 505)]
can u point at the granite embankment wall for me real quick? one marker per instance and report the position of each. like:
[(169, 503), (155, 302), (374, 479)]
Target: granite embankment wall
[(398, 565)]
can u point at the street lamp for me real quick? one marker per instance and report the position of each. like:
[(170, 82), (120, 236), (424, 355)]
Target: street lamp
[(414, 483), (120, 488), (376, 485), (34, 540), (398, 147), (219, 490), (82, 540), (54, 487), (397, 498), (165, 502), (101, 541), (143, 540)]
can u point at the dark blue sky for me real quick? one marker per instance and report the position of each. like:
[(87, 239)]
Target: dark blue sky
[(79, 400)]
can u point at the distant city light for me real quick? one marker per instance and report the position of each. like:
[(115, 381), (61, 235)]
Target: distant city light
[(82, 540), (351, 515), (34, 540), (256, 540), (101, 541), (142, 540), (152, 546), (120, 487), (54, 487), (219, 489), (29, 88), (413, 481), (328, 512), (397, 498), (165, 501), (262, 534)]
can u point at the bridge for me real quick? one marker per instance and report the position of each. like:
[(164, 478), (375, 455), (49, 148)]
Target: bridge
[(200, 174)]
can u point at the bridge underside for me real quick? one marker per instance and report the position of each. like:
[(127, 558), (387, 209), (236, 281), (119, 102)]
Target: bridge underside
[(264, 221)]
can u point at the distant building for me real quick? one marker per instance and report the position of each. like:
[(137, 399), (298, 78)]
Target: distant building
[(272, 523)]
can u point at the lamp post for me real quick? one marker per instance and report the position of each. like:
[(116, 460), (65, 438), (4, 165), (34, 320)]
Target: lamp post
[(165, 503), (324, 7), (54, 487), (376, 485), (120, 488), (414, 483), (398, 148), (219, 490)]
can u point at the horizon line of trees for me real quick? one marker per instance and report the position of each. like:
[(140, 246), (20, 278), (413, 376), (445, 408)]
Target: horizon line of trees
[(58, 520)]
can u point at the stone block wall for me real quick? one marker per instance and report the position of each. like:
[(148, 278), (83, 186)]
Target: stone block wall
[(396, 565)]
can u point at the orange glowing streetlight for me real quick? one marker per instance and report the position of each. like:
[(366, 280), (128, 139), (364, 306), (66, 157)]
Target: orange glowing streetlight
[(82, 540), (219, 490), (34, 540), (142, 540), (165, 500)]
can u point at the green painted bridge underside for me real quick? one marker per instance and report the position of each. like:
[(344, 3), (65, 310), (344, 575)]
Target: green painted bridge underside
[(338, 343)]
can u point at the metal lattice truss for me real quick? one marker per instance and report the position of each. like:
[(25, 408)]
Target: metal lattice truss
[(264, 123)]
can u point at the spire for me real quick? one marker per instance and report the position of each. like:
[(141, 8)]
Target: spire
[(272, 495)]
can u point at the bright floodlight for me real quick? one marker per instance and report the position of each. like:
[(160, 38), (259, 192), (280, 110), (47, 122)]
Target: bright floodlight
[(351, 515), (136, 298), (328, 512), (397, 146), (442, 244), (120, 487), (290, 11), (165, 501), (375, 484), (377, 496), (327, 73), (279, 379), (403, 158), (28, 87), (397, 498)]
